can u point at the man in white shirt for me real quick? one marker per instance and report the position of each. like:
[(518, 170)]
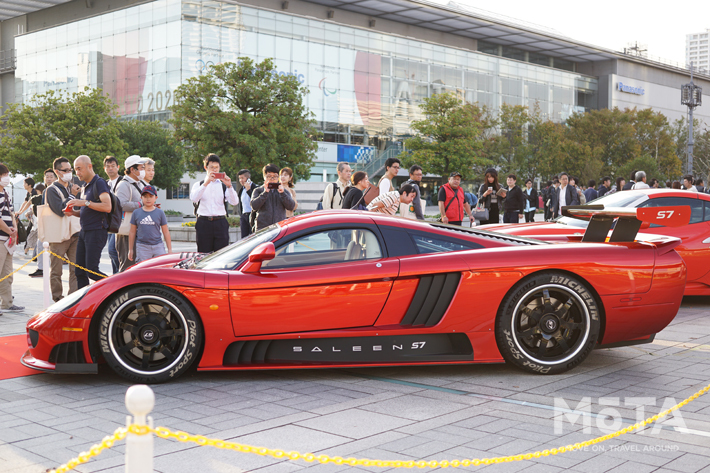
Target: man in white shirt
[(688, 183), (389, 203), (640, 182), (111, 167), (392, 166), (563, 196), (210, 195), (335, 192)]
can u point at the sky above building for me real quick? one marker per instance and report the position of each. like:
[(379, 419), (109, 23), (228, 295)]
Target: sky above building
[(609, 24)]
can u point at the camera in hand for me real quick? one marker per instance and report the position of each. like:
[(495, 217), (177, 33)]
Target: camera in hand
[(219, 175), (273, 185), (68, 209)]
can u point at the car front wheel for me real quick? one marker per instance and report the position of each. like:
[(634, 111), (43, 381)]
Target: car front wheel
[(149, 334), (548, 324)]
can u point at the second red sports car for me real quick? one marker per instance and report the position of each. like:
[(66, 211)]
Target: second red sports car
[(353, 289), (695, 236)]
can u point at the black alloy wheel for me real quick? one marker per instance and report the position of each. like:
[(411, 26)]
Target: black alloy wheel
[(548, 324), (149, 334)]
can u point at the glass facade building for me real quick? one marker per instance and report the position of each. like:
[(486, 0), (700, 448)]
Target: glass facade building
[(365, 86)]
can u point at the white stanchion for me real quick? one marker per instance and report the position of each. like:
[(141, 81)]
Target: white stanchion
[(45, 275), (140, 400)]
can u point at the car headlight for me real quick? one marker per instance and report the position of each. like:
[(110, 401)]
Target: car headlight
[(68, 301)]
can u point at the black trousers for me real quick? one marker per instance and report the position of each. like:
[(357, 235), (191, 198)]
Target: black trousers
[(244, 225), (211, 235), (530, 216), (88, 255), (511, 217)]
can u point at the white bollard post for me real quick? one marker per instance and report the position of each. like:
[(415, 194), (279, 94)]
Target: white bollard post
[(45, 275), (140, 400), (325, 175)]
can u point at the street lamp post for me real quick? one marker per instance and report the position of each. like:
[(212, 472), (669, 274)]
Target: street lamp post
[(691, 96)]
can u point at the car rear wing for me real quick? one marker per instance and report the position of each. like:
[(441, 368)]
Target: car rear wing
[(628, 221)]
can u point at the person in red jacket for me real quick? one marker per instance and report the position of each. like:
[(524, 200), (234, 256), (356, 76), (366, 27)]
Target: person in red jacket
[(452, 202)]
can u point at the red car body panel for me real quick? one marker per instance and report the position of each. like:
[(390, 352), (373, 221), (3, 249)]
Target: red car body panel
[(694, 249), (639, 286)]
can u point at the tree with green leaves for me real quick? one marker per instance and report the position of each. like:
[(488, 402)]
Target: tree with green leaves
[(57, 124), (510, 148), (247, 114), (449, 138), (151, 139), (608, 134), (701, 148)]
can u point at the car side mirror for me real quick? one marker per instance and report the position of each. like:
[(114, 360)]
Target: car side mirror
[(264, 252), (645, 225)]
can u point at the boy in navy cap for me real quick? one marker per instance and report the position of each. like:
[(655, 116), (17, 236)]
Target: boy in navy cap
[(146, 225)]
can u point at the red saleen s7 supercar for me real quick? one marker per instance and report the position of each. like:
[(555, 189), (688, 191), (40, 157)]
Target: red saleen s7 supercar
[(354, 289), (695, 236)]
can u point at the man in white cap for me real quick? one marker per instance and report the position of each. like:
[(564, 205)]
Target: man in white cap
[(128, 192)]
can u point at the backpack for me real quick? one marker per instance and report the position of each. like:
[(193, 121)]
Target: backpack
[(196, 205), (113, 218), (320, 202)]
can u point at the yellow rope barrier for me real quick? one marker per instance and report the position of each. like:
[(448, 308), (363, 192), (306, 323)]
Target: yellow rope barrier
[(166, 433), (74, 264), (30, 261), (56, 255)]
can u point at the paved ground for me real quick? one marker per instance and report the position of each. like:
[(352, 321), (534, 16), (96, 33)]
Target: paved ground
[(403, 413)]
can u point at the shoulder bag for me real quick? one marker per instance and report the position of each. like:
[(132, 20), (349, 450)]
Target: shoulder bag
[(51, 227), (125, 227)]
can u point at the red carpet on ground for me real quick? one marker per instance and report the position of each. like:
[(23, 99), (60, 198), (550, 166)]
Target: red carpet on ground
[(11, 350)]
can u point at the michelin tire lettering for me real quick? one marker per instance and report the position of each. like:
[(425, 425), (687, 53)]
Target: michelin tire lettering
[(548, 324)]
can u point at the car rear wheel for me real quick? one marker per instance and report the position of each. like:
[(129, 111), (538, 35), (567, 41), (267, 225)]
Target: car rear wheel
[(548, 324), (149, 334)]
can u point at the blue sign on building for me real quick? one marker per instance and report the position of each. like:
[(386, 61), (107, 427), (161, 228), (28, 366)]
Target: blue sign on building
[(355, 153), (631, 90)]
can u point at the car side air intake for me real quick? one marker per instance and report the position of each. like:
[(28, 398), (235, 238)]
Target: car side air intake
[(432, 299)]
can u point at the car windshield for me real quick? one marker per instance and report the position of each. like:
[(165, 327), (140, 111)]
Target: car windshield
[(617, 199), (230, 256)]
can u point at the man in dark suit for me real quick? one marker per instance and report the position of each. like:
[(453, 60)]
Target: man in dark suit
[(629, 185), (606, 186), (563, 196), (514, 205)]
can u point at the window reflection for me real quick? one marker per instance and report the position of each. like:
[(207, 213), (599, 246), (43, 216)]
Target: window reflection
[(358, 79)]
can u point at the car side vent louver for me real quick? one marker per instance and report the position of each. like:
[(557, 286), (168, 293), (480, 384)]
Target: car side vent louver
[(252, 352), (432, 299), (71, 352)]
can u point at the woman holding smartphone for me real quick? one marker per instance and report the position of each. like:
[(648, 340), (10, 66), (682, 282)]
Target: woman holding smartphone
[(490, 198)]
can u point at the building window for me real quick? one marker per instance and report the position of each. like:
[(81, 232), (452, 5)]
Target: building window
[(180, 192)]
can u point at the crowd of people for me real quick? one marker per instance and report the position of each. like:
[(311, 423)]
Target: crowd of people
[(73, 213), (72, 210)]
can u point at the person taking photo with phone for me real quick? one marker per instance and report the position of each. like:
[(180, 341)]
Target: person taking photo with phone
[(210, 198), (245, 202), (488, 196), (271, 201)]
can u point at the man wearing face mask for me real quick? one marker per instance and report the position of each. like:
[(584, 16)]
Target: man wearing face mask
[(56, 197), (129, 193)]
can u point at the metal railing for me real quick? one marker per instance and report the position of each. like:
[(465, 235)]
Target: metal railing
[(8, 61), (376, 166)]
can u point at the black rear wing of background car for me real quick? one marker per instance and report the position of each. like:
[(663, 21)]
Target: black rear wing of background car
[(628, 221)]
